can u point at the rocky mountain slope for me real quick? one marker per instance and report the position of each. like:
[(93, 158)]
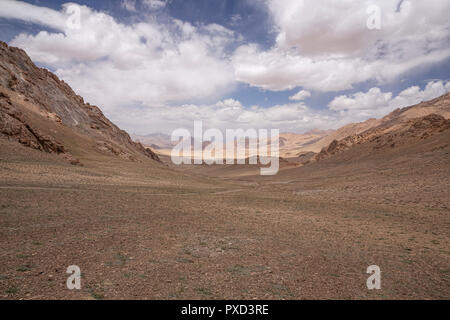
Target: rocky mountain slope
[(402, 127), (439, 106), (42, 112)]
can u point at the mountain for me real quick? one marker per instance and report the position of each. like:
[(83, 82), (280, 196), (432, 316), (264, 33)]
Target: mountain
[(403, 139), (294, 145), (155, 140), (42, 112), (437, 106), (403, 127)]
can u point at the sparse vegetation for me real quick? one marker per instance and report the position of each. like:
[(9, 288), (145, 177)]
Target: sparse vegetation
[(12, 290), (23, 268)]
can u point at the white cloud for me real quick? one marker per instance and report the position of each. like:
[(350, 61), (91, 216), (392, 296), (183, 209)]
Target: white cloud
[(293, 117), (129, 5), (146, 63), (235, 20), (414, 95), (326, 45), (142, 75), (301, 95), (154, 4), (226, 114), (114, 65), (24, 11), (369, 100), (375, 103)]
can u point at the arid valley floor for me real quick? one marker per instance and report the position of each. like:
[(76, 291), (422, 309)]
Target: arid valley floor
[(152, 232)]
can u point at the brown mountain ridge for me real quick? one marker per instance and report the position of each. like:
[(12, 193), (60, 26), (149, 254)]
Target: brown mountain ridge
[(404, 126), (41, 111)]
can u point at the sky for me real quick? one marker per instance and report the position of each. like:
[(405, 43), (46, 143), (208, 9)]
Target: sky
[(295, 65)]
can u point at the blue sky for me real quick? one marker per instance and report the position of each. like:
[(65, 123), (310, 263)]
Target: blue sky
[(155, 65)]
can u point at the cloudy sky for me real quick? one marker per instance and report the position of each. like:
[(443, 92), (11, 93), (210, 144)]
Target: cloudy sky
[(295, 65)]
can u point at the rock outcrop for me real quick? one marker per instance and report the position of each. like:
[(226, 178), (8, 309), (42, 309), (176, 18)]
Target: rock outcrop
[(390, 135), (14, 125), (42, 92)]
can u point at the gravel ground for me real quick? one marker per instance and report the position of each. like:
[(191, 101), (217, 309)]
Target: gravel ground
[(145, 231)]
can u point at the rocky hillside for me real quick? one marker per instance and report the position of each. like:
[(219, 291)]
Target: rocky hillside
[(41, 111), (402, 127)]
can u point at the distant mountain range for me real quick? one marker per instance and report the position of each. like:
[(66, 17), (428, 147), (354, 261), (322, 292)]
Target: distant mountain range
[(320, 144), (155, 140)]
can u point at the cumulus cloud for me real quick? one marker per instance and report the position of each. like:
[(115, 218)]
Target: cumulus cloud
[(151, 77), (12, 9), (145, 63), (326, 45), (375, 103), (228, 114), (301, 95), (369, 100), (292, 117)]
